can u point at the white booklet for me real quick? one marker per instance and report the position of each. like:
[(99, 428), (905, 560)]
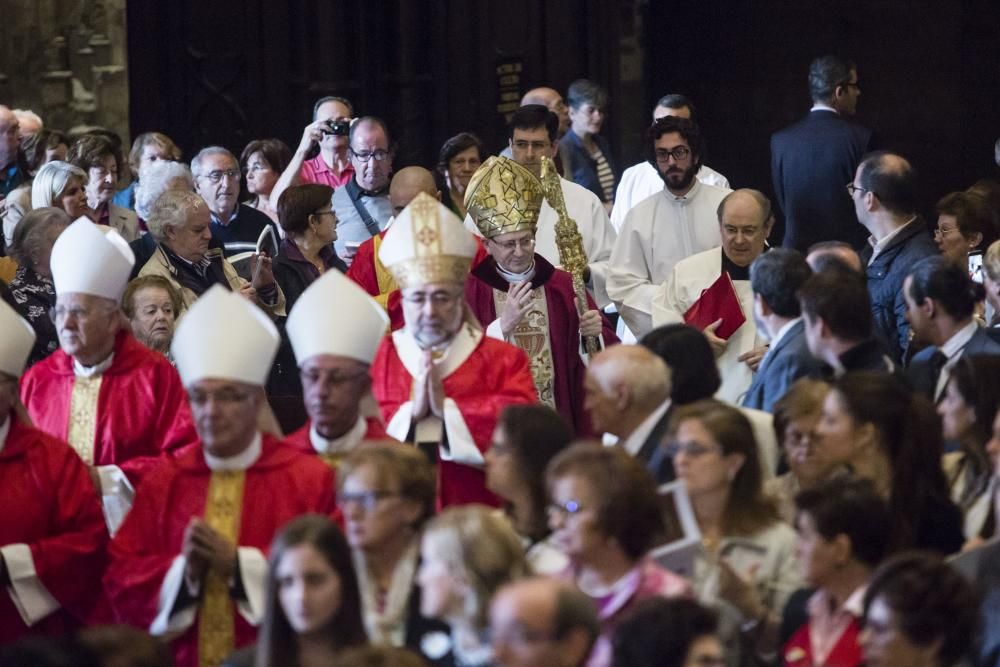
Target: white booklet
[(680, 542)]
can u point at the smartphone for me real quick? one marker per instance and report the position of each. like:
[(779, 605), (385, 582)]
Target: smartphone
[(976, 265)]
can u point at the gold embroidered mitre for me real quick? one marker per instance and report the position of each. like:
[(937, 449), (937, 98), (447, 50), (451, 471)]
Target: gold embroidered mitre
[(503, 197), (427, 243)]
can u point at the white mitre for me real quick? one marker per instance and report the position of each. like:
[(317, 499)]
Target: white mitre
[(86, 260), (16, 340)]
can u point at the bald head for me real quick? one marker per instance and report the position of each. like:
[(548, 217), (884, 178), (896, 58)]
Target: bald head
[(745, 222), (885, 182), (633, 369), (828, 255), (553, 101), (407, 183)]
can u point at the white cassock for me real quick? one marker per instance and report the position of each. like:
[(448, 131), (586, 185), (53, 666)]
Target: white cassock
[(679, 293), (641, 180), (591, 219), (659, 232)]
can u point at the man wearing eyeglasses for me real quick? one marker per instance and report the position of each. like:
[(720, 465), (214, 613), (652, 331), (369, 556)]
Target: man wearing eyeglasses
[(812, 159), (663, 229), (362, 206), (235, 226), (521, 298), (439, 382)]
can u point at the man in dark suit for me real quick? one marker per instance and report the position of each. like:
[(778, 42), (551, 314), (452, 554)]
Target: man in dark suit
[(813, 159), (940, 301), (775, 278)]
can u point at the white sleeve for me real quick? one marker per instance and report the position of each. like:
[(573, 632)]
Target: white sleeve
[(461, 446), (165, 623), (494, 330), (26, 590), (602, 242), (667, 307), (628, 281), (117, 495), (253, 572), (399, 425)]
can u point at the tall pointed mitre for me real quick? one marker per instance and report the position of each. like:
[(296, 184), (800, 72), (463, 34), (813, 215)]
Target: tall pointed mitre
[(223, 336), (336, 316), (87, 261), (427, 244), (16, 341), (503, 197)]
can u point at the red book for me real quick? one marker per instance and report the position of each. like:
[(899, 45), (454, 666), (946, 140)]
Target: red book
[(719, 301)]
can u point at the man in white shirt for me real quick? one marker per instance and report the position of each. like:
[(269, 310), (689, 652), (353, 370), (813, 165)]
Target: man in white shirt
[(533, 131), (642, 180), (663, 229)]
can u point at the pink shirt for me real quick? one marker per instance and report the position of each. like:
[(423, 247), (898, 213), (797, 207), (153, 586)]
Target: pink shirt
[(316, 171)]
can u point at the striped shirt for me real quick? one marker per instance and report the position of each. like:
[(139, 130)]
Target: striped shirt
[(604, 175)]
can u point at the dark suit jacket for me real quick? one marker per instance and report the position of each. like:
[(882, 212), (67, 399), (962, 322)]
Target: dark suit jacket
[(785, 363), (583, 168), (812, 161), (920, 374), (654, 457)]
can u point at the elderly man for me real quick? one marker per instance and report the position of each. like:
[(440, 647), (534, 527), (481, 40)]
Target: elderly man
[(643, 180), (189, 563), (96, 155), (664, 229), (532, 135), (838, 254), (334, 349), (13, 165), (235, 226), (362, 205), (152, 305), (119, 404), (745, 222), (180, 222), (542, 622), (439, 381), (521, 298), (51, 528)]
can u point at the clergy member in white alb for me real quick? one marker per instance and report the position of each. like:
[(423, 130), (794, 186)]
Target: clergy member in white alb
[(643, 180), (335, 329), (189, 563), (663, 229), (745, 221)]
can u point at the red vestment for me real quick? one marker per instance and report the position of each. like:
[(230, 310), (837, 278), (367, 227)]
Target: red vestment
[(280, 486), (845, 653), (492, 376), (563, 327), (142, 410), (48, 503)]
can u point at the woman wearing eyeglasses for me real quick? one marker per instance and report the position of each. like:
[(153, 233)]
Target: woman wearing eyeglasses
[(605, 516), (386, 494), (964, 226), (747, 567), (263, 161)]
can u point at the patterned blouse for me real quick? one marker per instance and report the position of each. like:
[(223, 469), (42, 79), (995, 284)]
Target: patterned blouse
[(34, 296)]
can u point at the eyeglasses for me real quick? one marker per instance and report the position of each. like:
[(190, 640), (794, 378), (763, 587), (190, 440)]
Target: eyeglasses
[(330, 379), (81, 314), (216, 176), (437, 299), (366, 500), (850, 84), (563, 509), (365, 156), (522, 145), (226, 396), (679, 153), (852, 188), (510, 246), (944, 231), (258, 166), (327, 212), (691, 449)]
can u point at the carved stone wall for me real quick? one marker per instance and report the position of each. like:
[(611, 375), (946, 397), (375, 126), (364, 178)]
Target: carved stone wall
[(66, 60)]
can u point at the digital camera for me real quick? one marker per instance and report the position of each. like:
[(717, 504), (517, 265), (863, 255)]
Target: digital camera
[(338, 128)]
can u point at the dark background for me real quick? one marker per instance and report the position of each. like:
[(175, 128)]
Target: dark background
[(227, 71)]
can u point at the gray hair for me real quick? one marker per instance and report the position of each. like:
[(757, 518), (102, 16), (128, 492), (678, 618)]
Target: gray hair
[(762, 201), (32, 234), (172, 209), (155, 179), (50, 181), (204, 153), (644, 372)]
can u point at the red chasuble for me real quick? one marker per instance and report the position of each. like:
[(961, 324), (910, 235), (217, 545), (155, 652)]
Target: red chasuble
[(48, 503), (493, 376), (568, 369), (142, 410), (280, 486)]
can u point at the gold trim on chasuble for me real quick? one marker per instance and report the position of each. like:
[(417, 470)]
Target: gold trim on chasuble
[(532, 335), (82, 429), (216, 616), (386, 283)]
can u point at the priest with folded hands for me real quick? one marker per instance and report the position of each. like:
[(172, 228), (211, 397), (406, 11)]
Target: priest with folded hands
[(189, 563)]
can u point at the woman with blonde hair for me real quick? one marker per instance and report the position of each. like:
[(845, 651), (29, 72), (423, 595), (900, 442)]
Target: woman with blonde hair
[(468, 552), (60, 184)]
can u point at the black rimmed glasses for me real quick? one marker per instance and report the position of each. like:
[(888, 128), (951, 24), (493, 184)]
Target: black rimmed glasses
[(678, 153), (366, 156)]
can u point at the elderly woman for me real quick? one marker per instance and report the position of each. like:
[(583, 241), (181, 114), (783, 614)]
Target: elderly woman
[(458, 160), (34, 294), (310, 225), (971, 399), (152, 305), (147, 149), (583, 149), (97, 156), (796, 415), (263, 161), (468, 552), (965, 225), (525, 440), (884, 432), (843, 534), (40, 148), (386, 494), (604, 517), (61, 185), (918, 612), (747, 566), (156, 178)]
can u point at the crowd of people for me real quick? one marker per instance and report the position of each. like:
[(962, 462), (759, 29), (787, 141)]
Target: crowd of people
[(519, 409)]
